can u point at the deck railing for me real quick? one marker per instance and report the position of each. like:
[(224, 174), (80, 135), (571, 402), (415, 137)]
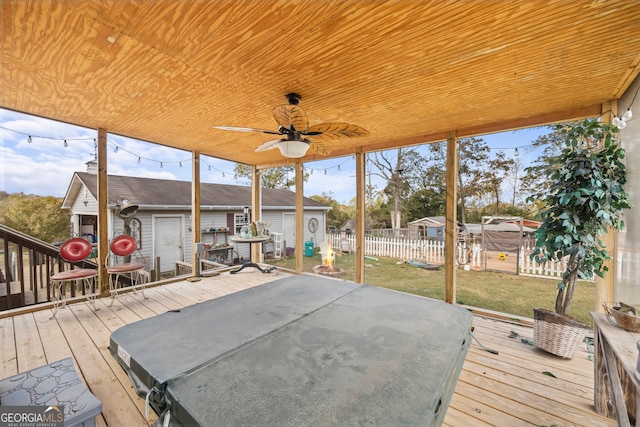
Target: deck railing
[(26, 265)]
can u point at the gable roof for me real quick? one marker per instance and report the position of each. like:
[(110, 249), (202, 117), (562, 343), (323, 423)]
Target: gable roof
[(150, 192), (432, 221)]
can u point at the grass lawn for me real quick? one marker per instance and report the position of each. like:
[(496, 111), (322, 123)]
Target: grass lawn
[(506, 293)]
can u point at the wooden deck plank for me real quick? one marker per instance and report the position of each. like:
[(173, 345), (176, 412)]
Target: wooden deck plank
[(507, 366), (135, 303), (119, 309), (56, 346), (53, 340), (29, 350), (471, 412), (507, 389), (117, 408), (579, 366), (9, 365), (99, 333), (566, 397), (529, 406)]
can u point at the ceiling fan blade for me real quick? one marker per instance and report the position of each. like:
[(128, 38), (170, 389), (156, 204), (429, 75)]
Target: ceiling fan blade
[(269, 145), (291, 117), (335, 130), (241, 129), (320, 146)]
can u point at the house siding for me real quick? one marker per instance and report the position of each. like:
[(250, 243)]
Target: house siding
[(210, 217)]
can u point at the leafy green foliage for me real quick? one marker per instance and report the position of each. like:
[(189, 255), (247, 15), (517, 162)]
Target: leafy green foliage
[(584, 199), (281, 177), (339, 214), (40, 217)]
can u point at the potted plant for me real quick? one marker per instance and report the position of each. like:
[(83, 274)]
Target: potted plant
[(585, 199)]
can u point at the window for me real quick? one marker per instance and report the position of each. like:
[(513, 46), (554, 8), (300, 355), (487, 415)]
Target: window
[(240, 221)]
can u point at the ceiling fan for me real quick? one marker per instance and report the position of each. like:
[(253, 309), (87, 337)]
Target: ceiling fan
[(296, 134)]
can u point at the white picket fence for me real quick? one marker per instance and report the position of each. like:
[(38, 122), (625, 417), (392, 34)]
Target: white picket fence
[(432, 252)]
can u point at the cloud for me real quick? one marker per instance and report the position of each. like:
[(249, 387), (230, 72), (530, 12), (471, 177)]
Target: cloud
[(48, 176)]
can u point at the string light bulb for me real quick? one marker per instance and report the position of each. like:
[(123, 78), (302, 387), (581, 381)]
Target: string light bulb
[(516, 153), (161, 165), (66, 144), (29, 140), (139, 159), (116, 149), (621, 122)]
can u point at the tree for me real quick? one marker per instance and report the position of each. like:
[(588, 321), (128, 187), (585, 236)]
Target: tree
[(424, 202), (338, 215), (535, 178), (396, 170), (585, 197), (513, 178), (40, 217), (494, 176), (280, 177), (472, 166)]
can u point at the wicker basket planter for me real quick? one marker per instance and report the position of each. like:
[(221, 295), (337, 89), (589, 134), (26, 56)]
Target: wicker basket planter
[(556, 334), (628, 322)]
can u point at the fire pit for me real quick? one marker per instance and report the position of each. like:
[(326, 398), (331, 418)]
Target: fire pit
[(328, 267), (328, 270)]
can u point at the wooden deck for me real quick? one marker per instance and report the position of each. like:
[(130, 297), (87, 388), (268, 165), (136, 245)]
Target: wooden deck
[(508, 389)]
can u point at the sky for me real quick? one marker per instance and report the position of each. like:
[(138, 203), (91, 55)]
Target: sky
[(45, 165)]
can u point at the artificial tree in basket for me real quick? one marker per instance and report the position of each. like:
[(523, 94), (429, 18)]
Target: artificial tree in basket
[(585, 200)]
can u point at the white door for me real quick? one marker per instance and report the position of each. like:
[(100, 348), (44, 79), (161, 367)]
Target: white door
[(168, 238), (289, 232)]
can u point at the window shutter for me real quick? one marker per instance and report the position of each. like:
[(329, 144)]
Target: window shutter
[(231, 223)]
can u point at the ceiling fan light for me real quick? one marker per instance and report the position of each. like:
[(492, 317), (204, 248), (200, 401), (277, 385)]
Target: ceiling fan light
[(293, 149)]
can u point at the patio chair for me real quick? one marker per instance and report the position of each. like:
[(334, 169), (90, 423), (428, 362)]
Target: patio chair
[(326, 253), (122, 248), (74, 250)]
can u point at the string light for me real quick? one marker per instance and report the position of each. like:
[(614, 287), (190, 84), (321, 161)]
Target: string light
[(621, 122), (116, 148), (310, 170)]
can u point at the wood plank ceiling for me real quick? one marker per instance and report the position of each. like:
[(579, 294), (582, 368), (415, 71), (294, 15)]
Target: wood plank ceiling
[(407, 71)]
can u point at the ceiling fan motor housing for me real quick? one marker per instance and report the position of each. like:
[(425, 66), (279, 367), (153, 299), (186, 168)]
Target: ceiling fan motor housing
[(293, 98)]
